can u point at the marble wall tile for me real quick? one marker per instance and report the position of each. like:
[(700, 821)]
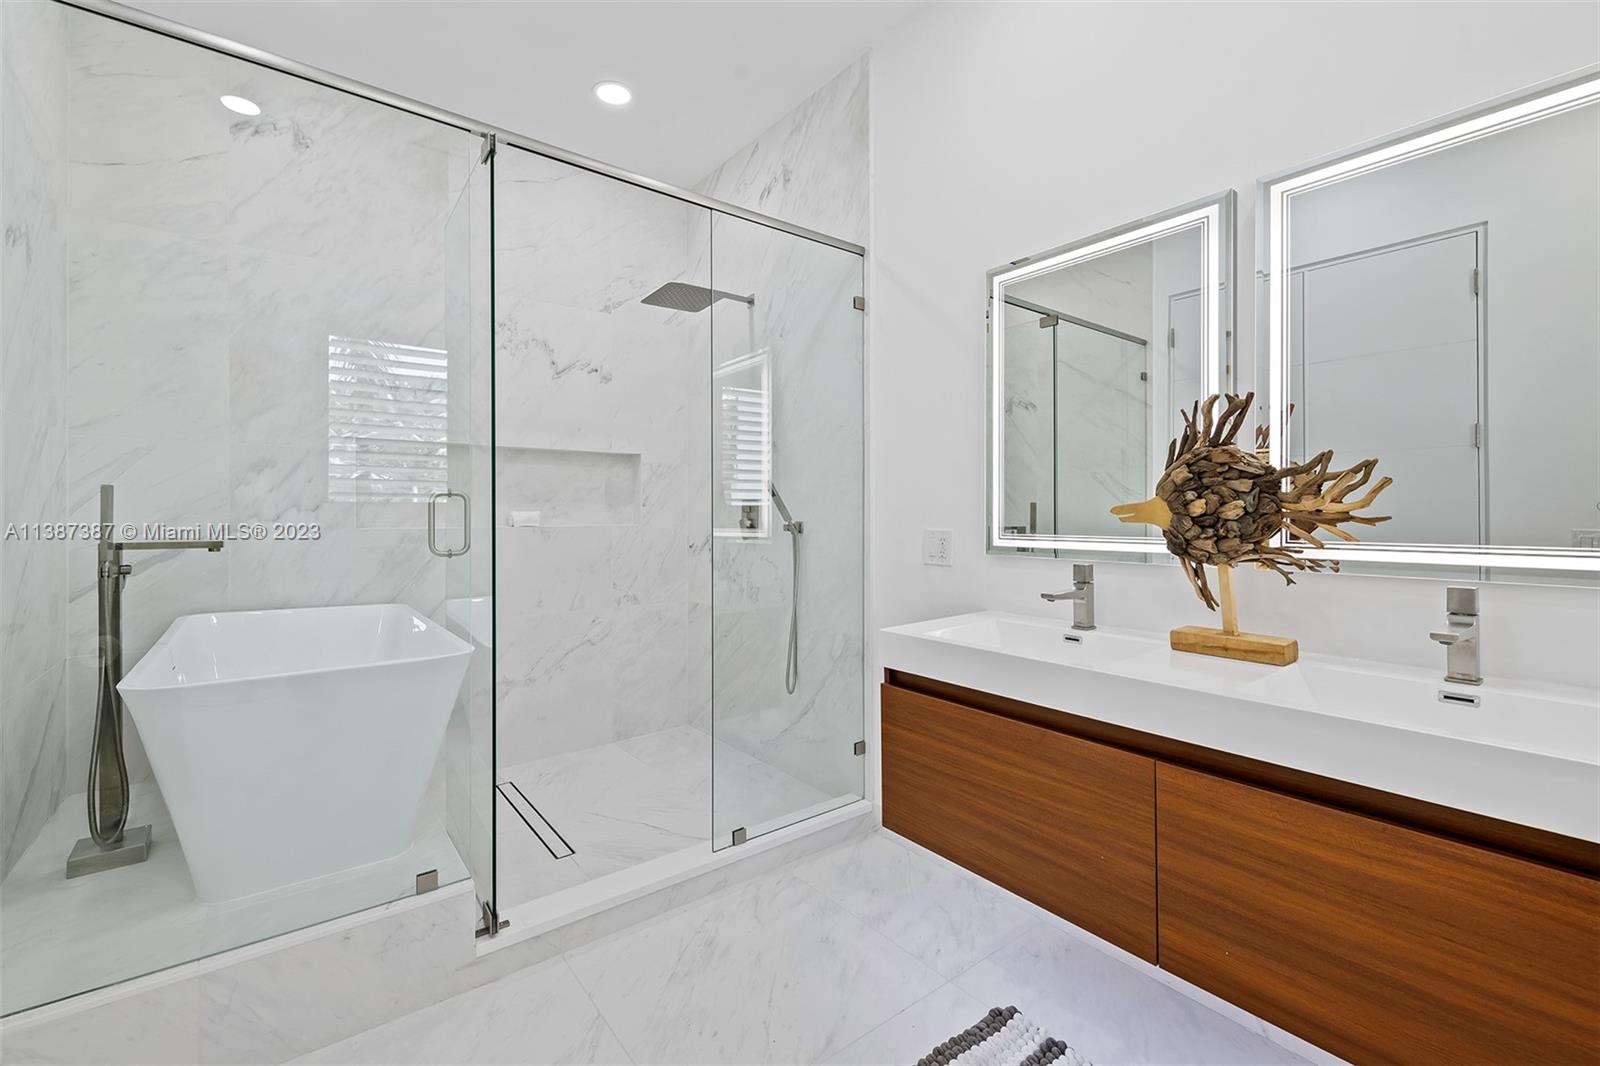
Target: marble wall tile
[(160, 1026), (32, 571), (159, 167), (575, 679), (809, 167), (805, 322), (33, 441), (593, 420), (32, 745), (256, 1006), (294, 1000)]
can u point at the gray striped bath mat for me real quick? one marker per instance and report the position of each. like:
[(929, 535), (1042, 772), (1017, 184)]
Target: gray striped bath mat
[(1003, 1037)]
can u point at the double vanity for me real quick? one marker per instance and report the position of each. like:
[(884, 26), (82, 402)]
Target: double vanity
[(1388, 865)]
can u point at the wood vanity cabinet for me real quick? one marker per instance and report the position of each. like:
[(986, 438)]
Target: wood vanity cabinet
[(1381, 928), (1375, 941), (1064, 822)]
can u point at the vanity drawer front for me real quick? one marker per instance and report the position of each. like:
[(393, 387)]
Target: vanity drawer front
[(1377, 942), (1064, 822)]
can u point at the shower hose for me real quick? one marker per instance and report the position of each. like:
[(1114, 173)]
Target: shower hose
[(108, 767), (791, 670)]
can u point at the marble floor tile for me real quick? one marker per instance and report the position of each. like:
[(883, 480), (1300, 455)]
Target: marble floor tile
[(631, 801), (535, 1016), (1108, 1009), (946, 917), (915, 1031), (771, 971), (802, 965)]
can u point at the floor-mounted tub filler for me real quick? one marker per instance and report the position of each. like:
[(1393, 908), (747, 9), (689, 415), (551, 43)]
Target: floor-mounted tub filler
[(294, 744)]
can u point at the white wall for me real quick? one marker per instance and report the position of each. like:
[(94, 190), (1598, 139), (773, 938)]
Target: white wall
[(1220, 94)]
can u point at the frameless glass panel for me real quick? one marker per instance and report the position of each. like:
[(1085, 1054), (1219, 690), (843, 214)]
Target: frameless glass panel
[(257, 276), (1030, 433), (787, 591), (1101, 434), (602, 598), (464, 526)]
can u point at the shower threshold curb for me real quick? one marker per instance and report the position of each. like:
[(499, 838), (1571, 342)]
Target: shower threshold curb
[(571, 905)]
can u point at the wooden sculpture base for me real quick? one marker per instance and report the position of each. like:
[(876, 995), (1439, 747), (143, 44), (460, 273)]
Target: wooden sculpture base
[(1250, 647), (1228, 642)]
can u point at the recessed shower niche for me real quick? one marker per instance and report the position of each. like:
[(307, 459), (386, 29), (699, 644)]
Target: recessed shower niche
[(563, 488)]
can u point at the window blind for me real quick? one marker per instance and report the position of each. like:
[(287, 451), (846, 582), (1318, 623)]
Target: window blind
[(388, 416), (745, 425)]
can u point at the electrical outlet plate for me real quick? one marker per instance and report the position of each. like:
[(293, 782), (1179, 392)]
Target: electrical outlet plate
[(936, 547)]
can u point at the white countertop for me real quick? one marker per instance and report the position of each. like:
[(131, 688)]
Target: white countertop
[(1528, 753)]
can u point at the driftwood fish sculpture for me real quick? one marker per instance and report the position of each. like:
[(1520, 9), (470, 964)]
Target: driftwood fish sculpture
[(1217, 504)]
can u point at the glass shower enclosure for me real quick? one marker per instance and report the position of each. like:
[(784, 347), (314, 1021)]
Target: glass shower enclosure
[(256, 305), (680, 662), (594, 440)]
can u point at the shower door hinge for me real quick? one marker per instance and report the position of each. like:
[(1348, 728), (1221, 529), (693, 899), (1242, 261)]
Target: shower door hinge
[(427, 881), (1172, 337), (490, 923), (1477, 434), (861, 747), (1475, 281), (740, 836), (488, 148), (1049, 321), (860, 303)]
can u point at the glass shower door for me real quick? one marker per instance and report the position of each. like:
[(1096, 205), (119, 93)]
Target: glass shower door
[(788, 537), (461, 527)]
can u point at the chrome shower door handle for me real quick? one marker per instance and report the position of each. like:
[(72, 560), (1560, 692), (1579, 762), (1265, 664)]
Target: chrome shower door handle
[(433, 524)]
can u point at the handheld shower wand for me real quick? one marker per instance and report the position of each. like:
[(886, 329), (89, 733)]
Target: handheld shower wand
[(791, 669)]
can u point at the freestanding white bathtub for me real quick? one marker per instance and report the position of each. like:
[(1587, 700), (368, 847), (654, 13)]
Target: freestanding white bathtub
[(294, 744)]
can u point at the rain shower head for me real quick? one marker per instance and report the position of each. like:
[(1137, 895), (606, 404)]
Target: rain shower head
[(681, 296)]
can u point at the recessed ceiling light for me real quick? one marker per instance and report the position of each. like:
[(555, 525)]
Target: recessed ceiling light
[(241, 105), (613, 92)]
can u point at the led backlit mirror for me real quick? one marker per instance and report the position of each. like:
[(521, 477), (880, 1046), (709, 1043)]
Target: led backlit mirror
[(1093, 348), (1431, 301)]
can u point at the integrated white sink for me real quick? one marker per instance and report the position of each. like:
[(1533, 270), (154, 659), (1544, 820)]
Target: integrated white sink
[(1041, 638), (1524, 752)]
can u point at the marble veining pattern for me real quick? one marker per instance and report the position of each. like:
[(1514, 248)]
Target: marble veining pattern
[(819, 962), (62, 937), (33, 442), (538, 1015), (172, 274), (809, 167)]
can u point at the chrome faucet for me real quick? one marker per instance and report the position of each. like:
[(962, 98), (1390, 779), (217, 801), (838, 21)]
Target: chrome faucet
[(1460, 635), (1081, 594)]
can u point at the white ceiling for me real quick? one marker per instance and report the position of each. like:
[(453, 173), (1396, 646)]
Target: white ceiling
[(707, 76)]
